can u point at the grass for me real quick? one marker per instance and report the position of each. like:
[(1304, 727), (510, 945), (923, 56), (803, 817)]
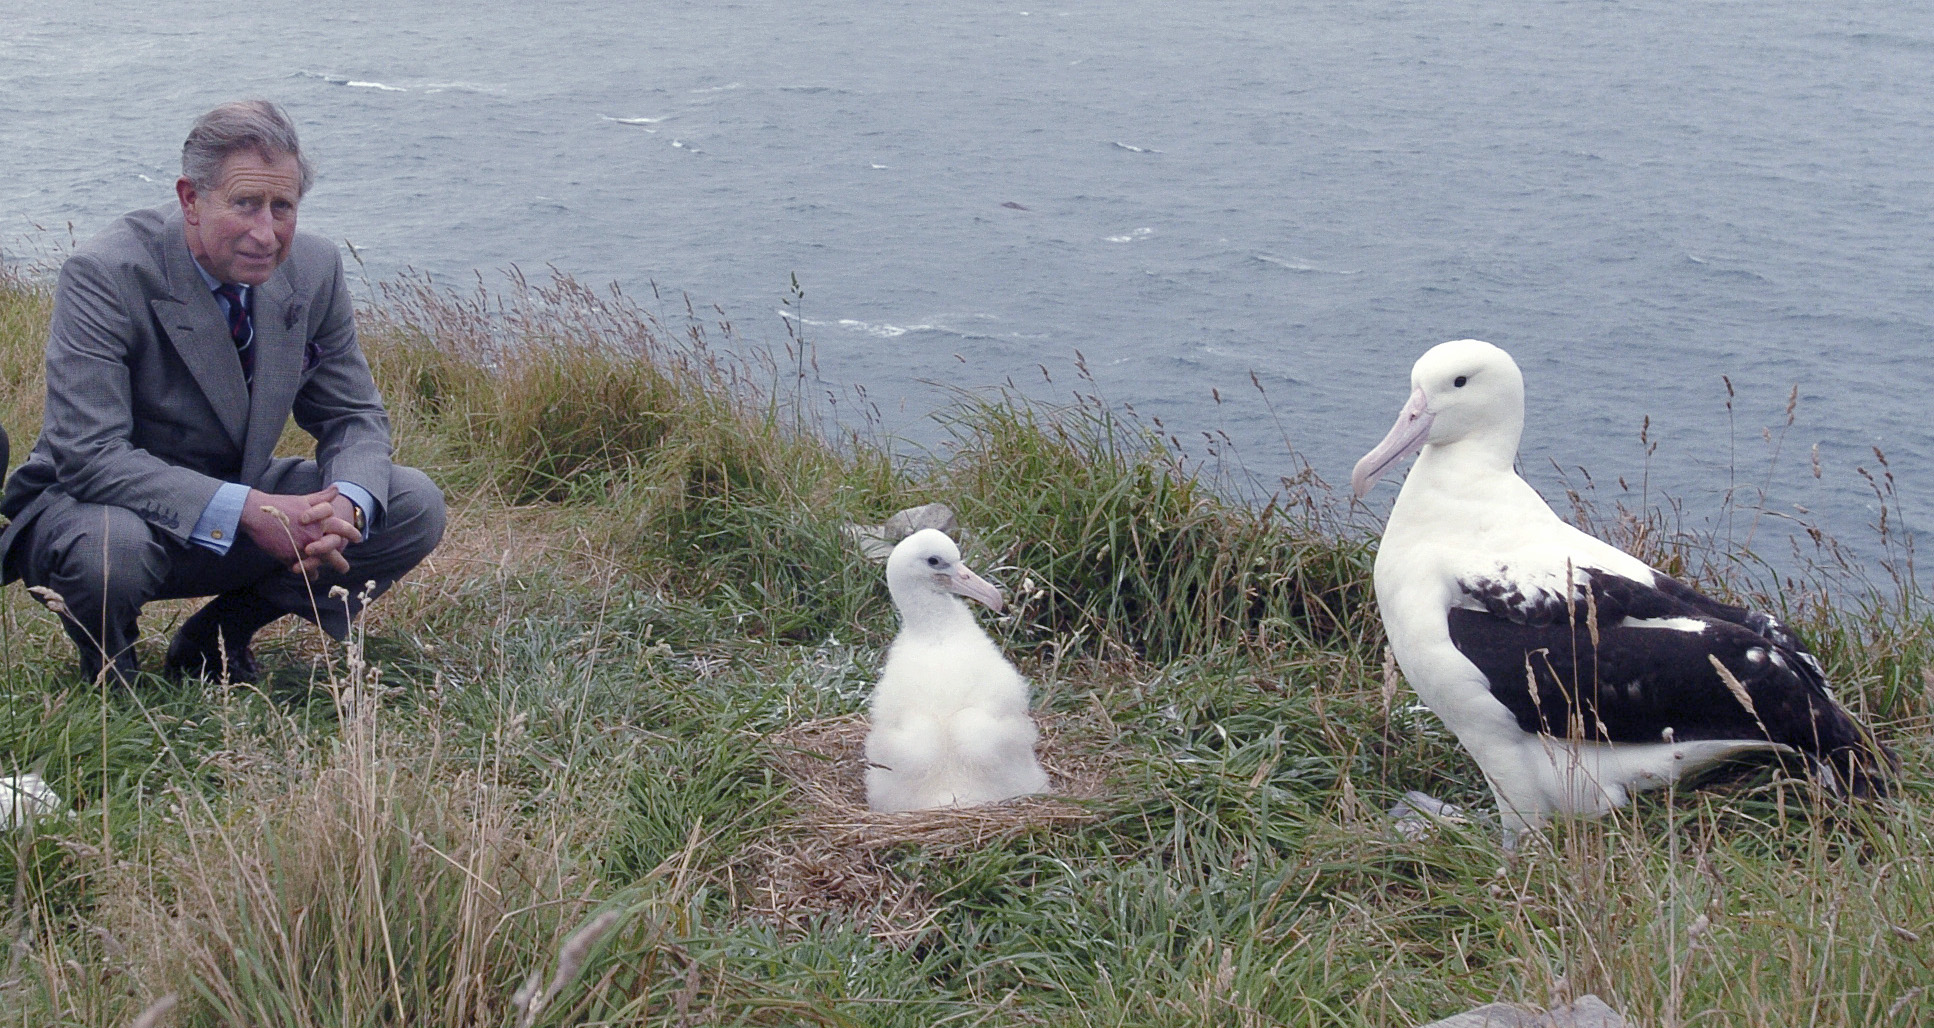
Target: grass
[(596, 762)]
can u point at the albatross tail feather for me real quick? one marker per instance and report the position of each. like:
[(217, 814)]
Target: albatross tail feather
[(1861, 765), (1846, 756)]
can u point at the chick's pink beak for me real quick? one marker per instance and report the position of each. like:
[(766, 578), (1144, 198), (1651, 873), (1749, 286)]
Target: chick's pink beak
[(972, 586)]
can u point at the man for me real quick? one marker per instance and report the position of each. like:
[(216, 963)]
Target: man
[(183, 339)]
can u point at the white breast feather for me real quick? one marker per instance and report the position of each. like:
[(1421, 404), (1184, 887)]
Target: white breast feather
[(950, 727)]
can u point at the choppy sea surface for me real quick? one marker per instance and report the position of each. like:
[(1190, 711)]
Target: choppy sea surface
[(1670, 213)]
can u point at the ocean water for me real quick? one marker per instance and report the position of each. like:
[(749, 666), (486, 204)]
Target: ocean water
[(1676, 216)]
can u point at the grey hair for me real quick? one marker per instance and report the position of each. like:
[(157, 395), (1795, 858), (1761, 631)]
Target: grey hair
[(227, 130)]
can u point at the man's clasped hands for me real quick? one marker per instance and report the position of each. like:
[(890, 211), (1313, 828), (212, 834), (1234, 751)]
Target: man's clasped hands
[(304, 532)]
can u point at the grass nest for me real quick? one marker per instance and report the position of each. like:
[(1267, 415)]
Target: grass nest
[(832, 859)]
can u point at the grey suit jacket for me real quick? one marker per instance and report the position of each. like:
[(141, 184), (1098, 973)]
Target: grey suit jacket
[(146, 405)]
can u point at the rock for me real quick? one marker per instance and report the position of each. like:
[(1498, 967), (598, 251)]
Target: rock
[(1419, 813), (876, 542), (1491, 1015), (1585, 1012)]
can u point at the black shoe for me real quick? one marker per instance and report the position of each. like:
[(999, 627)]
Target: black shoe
[(214, 644)]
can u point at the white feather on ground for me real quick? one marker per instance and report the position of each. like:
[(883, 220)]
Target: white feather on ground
[(25, 797), (949, 717)]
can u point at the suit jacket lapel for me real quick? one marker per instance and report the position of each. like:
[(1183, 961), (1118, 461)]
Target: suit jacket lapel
[(193, 320), (280, 330)]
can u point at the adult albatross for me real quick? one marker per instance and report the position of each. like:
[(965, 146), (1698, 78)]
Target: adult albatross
[(1573, 672)]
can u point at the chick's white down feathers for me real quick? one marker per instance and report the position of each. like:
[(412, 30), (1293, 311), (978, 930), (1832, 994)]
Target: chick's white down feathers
[(949, 717)]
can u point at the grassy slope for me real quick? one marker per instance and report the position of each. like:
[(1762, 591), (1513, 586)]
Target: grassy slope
[(592, 700)]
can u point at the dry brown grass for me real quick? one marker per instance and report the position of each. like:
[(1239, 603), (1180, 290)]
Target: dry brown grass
[(346, 880)]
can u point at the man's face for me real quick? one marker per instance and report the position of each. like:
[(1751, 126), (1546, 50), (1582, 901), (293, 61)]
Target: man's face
[(241, 229)]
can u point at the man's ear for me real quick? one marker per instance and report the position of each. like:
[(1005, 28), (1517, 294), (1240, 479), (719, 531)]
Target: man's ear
[(186, 193)]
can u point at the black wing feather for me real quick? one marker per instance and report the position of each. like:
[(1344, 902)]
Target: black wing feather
[(1630, 686), (1558, 676)]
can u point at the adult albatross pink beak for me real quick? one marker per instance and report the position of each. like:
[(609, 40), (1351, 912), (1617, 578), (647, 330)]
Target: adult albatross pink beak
[(1406, 437), (959, 579)]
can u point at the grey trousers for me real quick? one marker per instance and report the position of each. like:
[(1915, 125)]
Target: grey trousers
[(106, 562)]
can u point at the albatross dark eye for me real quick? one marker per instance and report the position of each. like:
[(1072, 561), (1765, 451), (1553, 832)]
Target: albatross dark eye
[(933, 562), (1461, 379)]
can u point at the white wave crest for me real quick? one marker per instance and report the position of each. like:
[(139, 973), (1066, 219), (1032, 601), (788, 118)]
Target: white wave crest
[(459, 87), (1303, 266), (881, 330)]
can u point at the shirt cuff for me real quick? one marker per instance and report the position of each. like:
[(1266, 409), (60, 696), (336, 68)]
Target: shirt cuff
[(215, 529), (362, 499)]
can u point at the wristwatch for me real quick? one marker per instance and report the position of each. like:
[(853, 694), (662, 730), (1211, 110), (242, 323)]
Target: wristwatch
[(356, 517)]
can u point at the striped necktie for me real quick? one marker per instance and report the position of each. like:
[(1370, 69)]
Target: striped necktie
[(241, 327)]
